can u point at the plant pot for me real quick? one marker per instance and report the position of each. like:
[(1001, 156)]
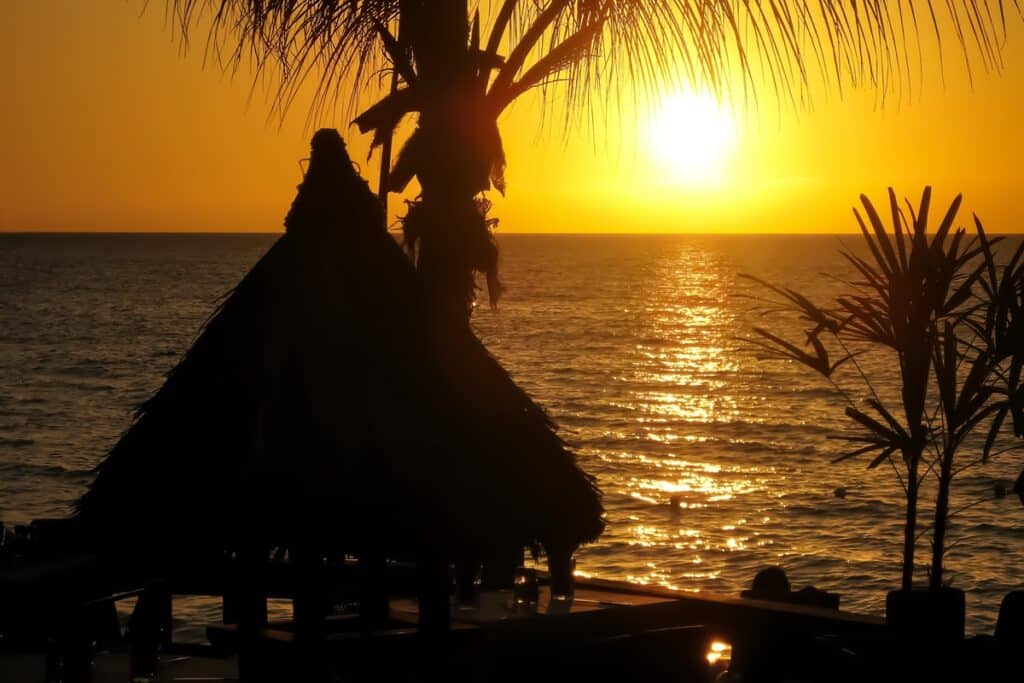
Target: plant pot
[(927, 615)]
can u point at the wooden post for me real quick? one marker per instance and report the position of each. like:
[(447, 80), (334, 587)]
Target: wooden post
[(560, 568), (434, 589), (248, 604), (373, 595), (149, 628), (467, 570), (311, 606), (70, 654)]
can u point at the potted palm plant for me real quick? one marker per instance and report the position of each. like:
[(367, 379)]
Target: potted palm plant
[(946, 308)]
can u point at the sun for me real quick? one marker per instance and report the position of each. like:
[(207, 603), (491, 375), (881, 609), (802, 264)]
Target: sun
[(692, 138)]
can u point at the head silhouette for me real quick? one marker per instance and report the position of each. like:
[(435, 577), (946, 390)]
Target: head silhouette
[(769, 583)]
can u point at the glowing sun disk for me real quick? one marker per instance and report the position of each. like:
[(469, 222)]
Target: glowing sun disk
[(692, 137)]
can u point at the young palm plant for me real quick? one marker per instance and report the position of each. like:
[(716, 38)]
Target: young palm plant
[(458, 84), (951, 316)]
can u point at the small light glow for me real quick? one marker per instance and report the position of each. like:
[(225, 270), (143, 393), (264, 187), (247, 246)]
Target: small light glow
[(719, 653)]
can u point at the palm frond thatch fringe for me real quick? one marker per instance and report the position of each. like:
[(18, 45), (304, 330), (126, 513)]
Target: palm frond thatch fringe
[(593, 48), (321, 402)]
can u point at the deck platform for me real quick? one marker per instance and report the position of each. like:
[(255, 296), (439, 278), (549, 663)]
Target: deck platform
[(607, 627)]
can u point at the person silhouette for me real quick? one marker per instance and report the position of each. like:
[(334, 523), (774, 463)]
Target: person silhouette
[(771, 583)]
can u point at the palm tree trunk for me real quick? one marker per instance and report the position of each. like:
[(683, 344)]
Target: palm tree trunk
[(940, 525), (910, 528), (447, 229), (453, 160), (915, 366)]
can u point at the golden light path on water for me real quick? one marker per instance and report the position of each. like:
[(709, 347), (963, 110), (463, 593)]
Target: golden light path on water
[(680, 374)]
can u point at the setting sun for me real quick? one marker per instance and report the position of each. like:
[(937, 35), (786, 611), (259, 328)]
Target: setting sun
[(692, 136)]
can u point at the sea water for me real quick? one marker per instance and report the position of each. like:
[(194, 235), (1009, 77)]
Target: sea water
[(714, 463)]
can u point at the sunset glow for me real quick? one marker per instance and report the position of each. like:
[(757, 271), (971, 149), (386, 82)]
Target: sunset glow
[(162, 142)]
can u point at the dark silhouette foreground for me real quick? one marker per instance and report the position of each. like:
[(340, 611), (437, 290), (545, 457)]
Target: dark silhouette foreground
[(321, 409)]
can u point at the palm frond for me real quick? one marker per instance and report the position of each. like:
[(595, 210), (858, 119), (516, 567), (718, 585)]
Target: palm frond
[(631, 48), (776, 347), (793, 301), (336, 44)]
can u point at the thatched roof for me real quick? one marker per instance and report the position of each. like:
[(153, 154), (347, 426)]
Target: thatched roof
[(321, 399)]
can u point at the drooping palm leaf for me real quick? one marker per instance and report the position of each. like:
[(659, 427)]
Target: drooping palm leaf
[(641, 44), (774, 346), (821, 318)]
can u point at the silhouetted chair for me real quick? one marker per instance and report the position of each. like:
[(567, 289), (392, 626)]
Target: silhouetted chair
[(997, 657), (1010, 624)]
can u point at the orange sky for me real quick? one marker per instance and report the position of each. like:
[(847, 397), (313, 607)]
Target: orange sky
[(105, 126)]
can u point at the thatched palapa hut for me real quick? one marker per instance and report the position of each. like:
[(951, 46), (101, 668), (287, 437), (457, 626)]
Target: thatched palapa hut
[(321, 405)]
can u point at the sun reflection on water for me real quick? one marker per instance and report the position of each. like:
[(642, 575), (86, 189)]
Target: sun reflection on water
[(690, 513)]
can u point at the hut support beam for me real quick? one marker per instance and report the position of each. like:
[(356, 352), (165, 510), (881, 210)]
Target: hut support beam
[(373, 592), (311, 607), (433, 589), (150, 627), (246, 601), (246, 605), (561, 570)]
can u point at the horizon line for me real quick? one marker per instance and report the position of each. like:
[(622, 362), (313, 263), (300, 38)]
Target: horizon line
[(498, 234)]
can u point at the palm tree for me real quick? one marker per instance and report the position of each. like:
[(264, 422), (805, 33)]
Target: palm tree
[(457, 84)]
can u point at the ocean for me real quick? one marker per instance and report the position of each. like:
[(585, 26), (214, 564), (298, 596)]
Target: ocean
[(714, 463)]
